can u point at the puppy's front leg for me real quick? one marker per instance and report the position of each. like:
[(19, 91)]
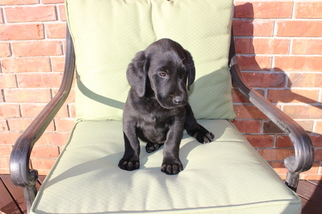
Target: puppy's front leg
[(171, 163), (130, 160), (195, 129)]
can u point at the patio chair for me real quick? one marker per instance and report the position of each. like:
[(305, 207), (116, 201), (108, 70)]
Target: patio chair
[(224, 176)]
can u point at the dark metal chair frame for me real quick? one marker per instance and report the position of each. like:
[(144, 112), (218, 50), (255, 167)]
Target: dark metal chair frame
[(23, 176)]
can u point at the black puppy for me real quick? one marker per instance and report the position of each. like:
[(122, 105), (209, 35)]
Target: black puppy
[(157, 109)]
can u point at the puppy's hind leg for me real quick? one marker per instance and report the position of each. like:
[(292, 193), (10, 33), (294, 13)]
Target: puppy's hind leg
[(151, 147)]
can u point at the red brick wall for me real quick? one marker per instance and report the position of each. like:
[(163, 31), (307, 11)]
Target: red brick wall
[(279, 45), (32, 58)]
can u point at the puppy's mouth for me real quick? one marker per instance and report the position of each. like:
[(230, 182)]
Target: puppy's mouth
[(172, 103), (173, 107)]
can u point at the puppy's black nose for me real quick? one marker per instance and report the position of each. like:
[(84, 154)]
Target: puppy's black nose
[(178, 100)]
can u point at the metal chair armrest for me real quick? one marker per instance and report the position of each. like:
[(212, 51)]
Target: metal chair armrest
[(21, 174), (304, 151)]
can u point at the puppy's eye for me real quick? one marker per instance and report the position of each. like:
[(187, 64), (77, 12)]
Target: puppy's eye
[(162, 74)]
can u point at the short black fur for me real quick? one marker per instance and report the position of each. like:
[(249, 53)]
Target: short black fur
[(157, 109)]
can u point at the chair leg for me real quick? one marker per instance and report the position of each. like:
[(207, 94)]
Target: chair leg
[(292, 180), (29, 195)]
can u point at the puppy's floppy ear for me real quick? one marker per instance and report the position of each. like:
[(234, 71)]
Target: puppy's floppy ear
[(191, 68), (136, 73)]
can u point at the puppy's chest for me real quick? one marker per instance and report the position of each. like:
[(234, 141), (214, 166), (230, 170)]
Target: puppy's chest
[(155, 120), (155, 129), (155, 123)]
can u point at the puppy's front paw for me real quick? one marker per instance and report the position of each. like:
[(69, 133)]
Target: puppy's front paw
[(129, 165), (171, 167), (204, 136)]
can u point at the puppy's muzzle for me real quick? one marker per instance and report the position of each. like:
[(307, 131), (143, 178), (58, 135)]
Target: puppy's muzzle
[(178, 100)]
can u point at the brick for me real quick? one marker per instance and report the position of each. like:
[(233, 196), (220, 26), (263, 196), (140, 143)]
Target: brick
[(253, 27), (238, 97), (307, 46), (43, 165), (5, 49), (306, 125), (283, 141), (27, 95), (247, 126), (21, 124), (264, 79), (261, 46), (305, 79), (264, 10), (1, 17), (318, 127), (275, 154), (4, 164), (248, 112), (1, 95), (260, 141), (58, 64), (303, 112), (272, 128), (64, 44), (21, 32), (30, 64), (64, 124), (9, 137), (9, 110), (52, 1), (316, 139), (7, 81), (301, 28), (37, 48), (30, 14), (32, 110), (5, 149), (72, 110), (39, 80), (45, 152), (3, 125), (279, 167), (293, 96), (62, 12), (318, 155), (63, 112), (18, 2), (308, 10), (54, 138), (298, 63), (314, 169), (254, 63), (56, 31)]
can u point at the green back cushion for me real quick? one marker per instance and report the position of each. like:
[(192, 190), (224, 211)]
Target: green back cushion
[(108, 33)]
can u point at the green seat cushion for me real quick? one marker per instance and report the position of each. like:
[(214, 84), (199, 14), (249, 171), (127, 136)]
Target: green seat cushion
[(108, 33), (225, 176)]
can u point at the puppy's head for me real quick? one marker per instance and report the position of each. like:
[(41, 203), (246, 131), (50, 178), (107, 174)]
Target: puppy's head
[(165, 69)]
